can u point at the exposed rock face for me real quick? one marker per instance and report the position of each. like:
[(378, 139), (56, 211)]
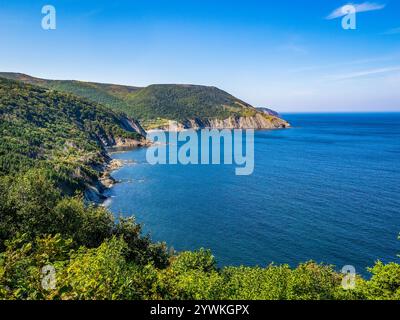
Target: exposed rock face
[(106, 179), (129, 125), (95, 187), (128, 143), (133, 125), (94, 195), (258, 121)]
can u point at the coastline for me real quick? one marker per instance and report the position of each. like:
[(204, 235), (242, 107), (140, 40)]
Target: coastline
[(95, 190), (95, 193), (279, 163)]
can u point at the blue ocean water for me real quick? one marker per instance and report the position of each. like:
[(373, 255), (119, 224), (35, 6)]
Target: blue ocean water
[(327, 190)]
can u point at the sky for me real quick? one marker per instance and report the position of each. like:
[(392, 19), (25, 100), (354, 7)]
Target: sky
[(290, 55)]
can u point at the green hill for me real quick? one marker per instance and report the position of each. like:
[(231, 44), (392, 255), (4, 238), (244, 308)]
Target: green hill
[(107, 94), (181, 102), (60, 132), (156, 104)]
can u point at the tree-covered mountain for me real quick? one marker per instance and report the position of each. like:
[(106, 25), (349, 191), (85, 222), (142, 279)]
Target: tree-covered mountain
[(156, 104), (180, 102)]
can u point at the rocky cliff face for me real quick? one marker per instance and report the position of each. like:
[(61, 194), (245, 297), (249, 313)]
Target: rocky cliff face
[(95, 187), (257, 122), (129, 125), (133, 125)]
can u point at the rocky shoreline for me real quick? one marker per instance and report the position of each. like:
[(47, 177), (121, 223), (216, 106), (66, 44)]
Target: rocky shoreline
[(106, 179), (95, 190)]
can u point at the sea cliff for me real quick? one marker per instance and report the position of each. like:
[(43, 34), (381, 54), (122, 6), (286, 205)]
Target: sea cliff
[(258, 121), (94, 192)]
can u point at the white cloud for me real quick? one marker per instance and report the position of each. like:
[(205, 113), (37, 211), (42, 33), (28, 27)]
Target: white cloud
[(366, 73), (362, 7)]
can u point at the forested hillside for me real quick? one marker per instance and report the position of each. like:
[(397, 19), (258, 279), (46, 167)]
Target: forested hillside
[(107, 94), (180, 102), (42, 128), (156, 104), (50, 140)]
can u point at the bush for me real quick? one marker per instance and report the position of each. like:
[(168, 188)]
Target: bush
[(384, 283)]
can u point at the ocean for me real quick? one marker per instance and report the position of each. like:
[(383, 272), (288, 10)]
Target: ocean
[(327, 189)]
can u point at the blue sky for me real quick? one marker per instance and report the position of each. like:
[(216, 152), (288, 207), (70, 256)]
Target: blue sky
[(284, 54)]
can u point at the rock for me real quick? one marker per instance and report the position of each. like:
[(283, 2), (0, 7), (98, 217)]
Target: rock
[(133, 126), (106, 179), (93, 195), (258, 121)]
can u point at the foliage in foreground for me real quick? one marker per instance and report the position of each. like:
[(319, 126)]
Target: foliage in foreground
[(95, 257)]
